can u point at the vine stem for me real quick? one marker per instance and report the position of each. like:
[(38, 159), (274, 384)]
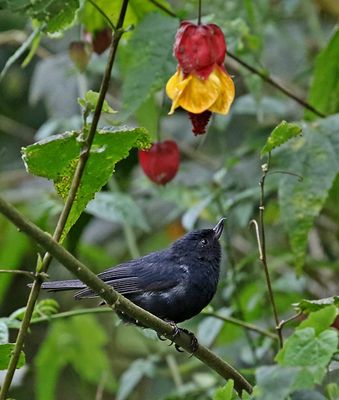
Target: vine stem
[(261, 239), (263, 75), (118, 302), (57, 236)]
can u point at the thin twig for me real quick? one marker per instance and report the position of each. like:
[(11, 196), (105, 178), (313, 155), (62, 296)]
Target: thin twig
[(164, 8), (67, 207), (243, 324), (261, 239), (72, 313), (264, 76), (30, 275), (118, 302), (102, 12)]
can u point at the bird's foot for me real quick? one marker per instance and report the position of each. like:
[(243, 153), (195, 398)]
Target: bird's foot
[(176, 332)]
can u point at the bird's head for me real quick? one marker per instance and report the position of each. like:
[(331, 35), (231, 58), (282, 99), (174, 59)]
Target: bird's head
[(202, 244)]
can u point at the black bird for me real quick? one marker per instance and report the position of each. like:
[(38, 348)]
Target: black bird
[(174, 284)]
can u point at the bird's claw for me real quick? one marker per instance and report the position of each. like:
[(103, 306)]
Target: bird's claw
[(162, 338), (176, 332)]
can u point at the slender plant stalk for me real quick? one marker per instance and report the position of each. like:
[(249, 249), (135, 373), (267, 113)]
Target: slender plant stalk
[(118, 302), (85, 152), (261, 239), (18, 272), (243, 324), (263, 75), (199, 12)]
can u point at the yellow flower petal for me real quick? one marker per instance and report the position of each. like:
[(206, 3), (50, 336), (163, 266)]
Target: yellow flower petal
[(174, 88), (226, 94), (200, 94)]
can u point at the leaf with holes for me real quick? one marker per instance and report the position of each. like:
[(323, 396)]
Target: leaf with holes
[(56, 158)]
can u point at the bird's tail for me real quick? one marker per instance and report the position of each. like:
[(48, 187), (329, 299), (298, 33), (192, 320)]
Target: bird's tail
[(56, 286)]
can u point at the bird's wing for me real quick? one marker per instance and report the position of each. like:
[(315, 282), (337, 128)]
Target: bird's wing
[(148, 273)]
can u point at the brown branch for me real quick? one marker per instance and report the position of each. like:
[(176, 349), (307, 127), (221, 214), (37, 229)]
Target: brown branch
[(118, 302)]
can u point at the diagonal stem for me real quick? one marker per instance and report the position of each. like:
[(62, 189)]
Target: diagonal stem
[(34, 293), (118, 302)]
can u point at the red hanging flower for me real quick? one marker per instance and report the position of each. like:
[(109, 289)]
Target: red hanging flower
[(161, 162), (201, 84)]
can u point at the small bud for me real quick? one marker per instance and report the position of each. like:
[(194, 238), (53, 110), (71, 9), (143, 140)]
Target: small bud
[(101, 40), (80, 53)]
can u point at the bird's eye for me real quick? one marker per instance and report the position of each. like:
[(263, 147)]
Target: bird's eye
[(203, 242)]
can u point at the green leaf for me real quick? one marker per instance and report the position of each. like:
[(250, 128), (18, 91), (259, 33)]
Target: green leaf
[(78, 342), (145, 60), (280, 135), (5, 355), (315, 305), (315, 158), (226, 392), (118, 207), (133, 375), (320, 320), (56, 15), (89, 102), (13, 246), (324, 92), (56, 158), (306, 349)]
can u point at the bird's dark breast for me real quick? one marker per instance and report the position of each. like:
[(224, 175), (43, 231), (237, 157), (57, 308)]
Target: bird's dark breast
[(183, 301)]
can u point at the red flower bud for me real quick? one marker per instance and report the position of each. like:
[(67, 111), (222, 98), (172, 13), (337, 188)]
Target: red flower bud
[(101, 40), (161, 162), (199, 47), (80, 53)]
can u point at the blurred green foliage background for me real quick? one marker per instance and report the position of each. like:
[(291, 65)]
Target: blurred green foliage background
[(95, 356)]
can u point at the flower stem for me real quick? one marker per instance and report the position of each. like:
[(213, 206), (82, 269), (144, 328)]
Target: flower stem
[(199, 12)]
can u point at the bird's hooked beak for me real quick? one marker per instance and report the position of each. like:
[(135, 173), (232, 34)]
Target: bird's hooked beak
[(219, 228)]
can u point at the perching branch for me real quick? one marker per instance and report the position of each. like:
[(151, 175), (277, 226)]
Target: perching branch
[(84, 155), (118, 302), (261, 239), (263, 75)]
